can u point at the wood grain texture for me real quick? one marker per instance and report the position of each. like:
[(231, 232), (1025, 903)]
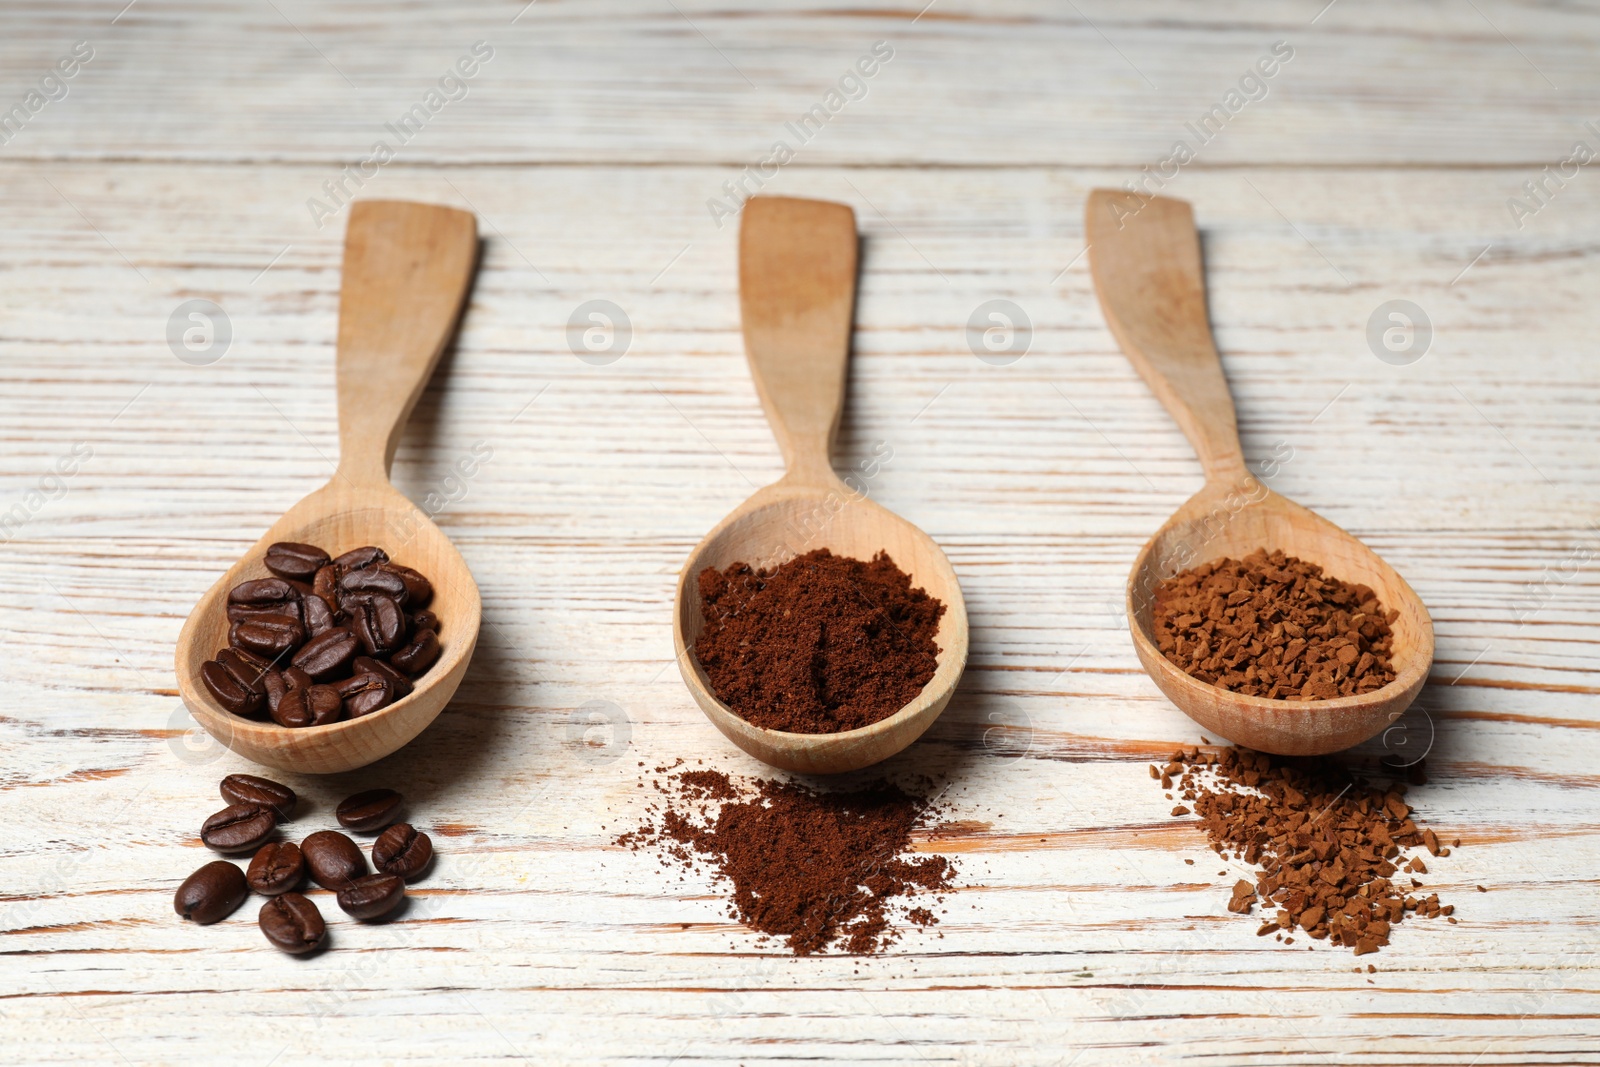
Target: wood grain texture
[(1377, 170)]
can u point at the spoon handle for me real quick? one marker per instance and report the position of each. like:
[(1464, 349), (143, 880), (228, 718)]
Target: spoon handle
[(1144, 254), (797, 290), (407, 268)]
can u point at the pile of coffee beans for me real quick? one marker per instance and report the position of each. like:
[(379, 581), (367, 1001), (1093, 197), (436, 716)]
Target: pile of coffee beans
[(278, 869), (325, 639)]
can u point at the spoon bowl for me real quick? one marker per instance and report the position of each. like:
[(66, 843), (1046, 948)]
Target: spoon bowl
[(1145, 258), (407, 268), (797, 293)]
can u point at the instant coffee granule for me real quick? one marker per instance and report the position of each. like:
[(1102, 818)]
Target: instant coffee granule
[(1329, 845), (811, 868), (819, 644), (1276, 627)]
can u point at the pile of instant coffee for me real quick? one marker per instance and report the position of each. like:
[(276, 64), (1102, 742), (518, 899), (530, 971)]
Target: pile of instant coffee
[(289, 919), (810, 868), (1274, 626), (819, 644), (1330, 845), (324, 639)]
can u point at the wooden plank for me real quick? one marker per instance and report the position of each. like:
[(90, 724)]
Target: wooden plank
[(1021, 82)]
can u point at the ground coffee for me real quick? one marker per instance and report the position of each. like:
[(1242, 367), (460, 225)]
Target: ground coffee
[(1329, 844), (1274, 626), (819, 644), (810, 868)]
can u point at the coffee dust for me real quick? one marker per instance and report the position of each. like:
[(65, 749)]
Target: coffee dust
[(814, 869), (1276, 627), (819, 644), (1329, 845)]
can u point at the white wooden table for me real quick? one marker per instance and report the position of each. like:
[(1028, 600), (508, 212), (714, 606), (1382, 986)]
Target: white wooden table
[(1376, 167)]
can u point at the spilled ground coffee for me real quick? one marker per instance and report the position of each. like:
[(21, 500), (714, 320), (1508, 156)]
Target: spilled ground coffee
[(811, 868), (820, 644), (1276, 627), (1330, 846)]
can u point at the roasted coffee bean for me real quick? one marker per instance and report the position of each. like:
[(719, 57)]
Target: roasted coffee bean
[(419, 591), (332, 859), (372, 581), (317, 705), (277, 868), (372, 810), (379, 623), (247, 668), (366, 693), (242, 613), (424, 620), (421, 653), (263, 792), (287, 559), (326, 583), (238, 828), (318, 614), (262, 593), (279, 683), (211, 893), (367, 665), (360, 558), (267, 635), (402, 849), (373, 896), (229, 692), (292, 923), (327, 655)]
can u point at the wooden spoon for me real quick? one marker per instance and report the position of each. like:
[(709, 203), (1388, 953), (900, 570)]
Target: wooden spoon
[(407, 269), (797, 283), (1145, 258)]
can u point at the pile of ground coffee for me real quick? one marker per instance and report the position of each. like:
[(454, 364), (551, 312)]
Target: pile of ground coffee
[(810, 868), (1274, 626), (819, 644), (1329, 844)]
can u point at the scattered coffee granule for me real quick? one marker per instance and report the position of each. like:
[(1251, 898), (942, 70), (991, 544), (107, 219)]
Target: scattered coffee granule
[(1328, 844), (819, 644), (1276, 627), (811, 868)]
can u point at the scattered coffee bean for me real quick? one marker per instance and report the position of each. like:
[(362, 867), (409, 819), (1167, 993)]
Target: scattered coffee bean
[(341, 623), (211, 893), (276, 868), (332, 859), (368, 665), (420, 654), (328, 655), (402, 849), (372, 810), (292, 923), (289, 560), (372, 896), (238, 828), (262, 792)]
